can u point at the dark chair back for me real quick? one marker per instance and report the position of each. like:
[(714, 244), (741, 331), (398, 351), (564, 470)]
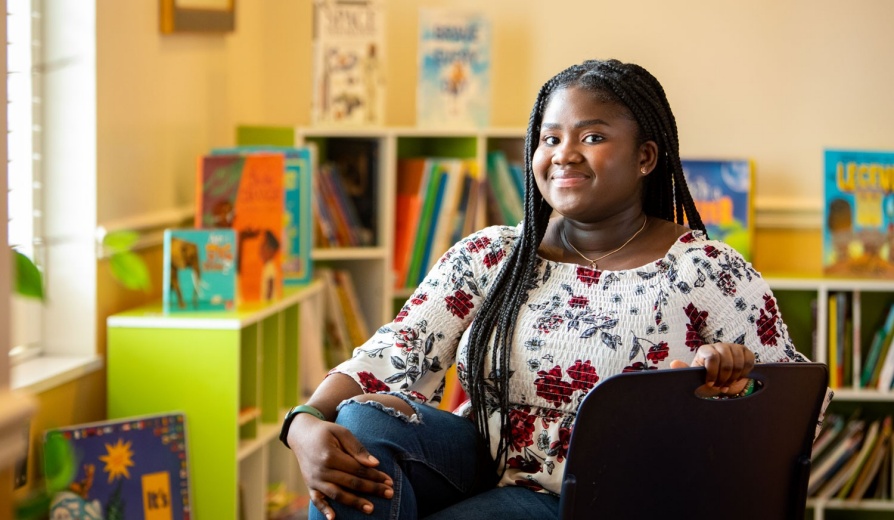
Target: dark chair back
[(645, 446)]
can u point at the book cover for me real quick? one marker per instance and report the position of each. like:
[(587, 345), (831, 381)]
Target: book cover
[(245, 193), (297, 239), (199, 270), (453, 89), (135, 468), (858, 213), (348, 63), (723, 194)]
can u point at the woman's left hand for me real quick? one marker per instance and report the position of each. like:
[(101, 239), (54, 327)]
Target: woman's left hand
[(727, 366)]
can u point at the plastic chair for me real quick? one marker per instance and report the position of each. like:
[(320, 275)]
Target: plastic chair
[(645, 446)]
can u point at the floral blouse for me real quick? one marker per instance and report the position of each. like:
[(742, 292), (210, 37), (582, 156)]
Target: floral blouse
[(579, 326)]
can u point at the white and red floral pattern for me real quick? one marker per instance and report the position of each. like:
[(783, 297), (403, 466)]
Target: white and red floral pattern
[(578, 327)]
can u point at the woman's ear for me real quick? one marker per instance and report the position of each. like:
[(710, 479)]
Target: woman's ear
[(648, 157)]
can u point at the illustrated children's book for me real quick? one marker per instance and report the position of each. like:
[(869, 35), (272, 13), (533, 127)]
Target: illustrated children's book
[(858, 225), (348, 70), (199, 270), (245, 193), (297, 267), (133, 469), (723, 194), (454, 69)]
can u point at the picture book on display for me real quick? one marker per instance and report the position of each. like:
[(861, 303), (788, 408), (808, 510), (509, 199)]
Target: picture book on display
[(348, 69), (199, 270), (453, 89), (858, 217), (133, 469), (245, 193), (723, 194), (297, 267)]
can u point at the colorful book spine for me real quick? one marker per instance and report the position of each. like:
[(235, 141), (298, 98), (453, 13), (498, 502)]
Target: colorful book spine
[(412, 181), (858, 224), (245, 193), (723, 194), (454, 69), (348, 68), (199, 270)]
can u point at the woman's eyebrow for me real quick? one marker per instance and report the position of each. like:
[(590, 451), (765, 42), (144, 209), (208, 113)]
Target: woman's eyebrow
[(579, 124)]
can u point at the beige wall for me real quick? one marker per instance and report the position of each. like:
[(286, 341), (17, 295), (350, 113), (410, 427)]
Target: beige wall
[(774, 81)]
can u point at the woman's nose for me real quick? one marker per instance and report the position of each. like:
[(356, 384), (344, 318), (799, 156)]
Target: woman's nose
[(566, 153)]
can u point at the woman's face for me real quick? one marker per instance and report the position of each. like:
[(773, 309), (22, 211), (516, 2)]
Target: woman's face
[(588, 164)]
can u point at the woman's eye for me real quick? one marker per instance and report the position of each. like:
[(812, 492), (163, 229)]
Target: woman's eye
[(592, 138), (550, 140)]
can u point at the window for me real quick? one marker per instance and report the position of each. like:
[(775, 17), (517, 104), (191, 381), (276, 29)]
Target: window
[(23, 168)]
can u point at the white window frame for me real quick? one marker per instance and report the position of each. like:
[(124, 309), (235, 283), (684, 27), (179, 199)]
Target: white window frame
[(69, 170)]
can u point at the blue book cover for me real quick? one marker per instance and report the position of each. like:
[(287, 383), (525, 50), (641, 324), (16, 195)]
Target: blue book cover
[(297, 267), (723, 194), (858, 213), (135, 468), (453, 88), (199, 270)]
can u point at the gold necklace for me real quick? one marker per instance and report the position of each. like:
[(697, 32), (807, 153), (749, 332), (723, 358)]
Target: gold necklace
[(594, 260)]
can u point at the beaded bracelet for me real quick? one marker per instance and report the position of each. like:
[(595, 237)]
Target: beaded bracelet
[(748, 390)]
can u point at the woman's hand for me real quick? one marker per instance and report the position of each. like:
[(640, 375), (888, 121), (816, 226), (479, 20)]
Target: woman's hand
[(335, 465), (727, 366)]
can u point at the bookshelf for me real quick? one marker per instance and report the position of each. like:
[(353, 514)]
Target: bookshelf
[(869, 301), (234, 374)]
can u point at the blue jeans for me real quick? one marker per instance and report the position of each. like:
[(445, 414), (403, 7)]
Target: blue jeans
[(440, 468)]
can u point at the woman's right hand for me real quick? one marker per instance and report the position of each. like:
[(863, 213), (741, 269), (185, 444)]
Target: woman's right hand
[(335, 465)]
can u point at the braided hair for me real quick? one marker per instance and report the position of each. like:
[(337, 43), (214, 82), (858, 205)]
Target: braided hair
[(665, 195)]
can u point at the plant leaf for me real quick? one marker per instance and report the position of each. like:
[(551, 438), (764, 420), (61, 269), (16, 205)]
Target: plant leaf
[(130, 270), (120, 241), (59, 462), (28, 280)]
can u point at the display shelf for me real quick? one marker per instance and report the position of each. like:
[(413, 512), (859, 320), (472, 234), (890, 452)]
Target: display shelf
[(233, 374)]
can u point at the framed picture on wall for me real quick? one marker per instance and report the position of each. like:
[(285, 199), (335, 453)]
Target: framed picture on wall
[(197, 16)]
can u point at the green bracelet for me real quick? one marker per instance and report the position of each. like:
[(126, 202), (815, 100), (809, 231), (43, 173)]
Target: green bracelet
[(290, 416)]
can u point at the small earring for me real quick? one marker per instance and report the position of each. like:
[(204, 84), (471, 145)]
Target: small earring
[(643, 170)]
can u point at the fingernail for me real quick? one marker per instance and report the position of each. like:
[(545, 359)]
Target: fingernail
[(368, 508), (724, 389), (373, 459), (388, 493)]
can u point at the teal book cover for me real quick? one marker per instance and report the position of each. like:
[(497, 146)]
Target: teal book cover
[(134, 469), (858, 213), (300, 161), (723, 192), (199, 270), (453, 89)]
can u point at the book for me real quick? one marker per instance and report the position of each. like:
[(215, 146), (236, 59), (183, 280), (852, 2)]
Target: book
[(886, 371), (453, 88), (837, 457), (356, 163), (135, 468), (297, 239), (870, 468), (722, 191), (337, 345), (858, 223), (348, 63), (412, 181), (199, 270), (834, 374), (245, 193), (509, 199), (881, 340), (855, 466)]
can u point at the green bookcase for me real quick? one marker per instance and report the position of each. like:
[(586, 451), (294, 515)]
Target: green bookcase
[(233, 374)]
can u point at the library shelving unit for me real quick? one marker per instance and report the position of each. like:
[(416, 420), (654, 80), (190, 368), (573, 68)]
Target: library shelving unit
[(233, 374), (373, 265), (803, 303)]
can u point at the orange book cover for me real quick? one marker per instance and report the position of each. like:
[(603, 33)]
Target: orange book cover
[(411, 180), (245, 192)]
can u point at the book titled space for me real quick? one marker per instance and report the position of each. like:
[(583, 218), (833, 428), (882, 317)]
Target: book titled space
[(453, 89), (723, 194), (199, 270), (858, 224), (348, 70)]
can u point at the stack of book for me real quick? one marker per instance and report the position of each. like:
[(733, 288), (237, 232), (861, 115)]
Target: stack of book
[(851, 459)]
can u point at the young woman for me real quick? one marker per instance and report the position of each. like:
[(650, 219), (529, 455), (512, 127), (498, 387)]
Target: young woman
[(600, 278)]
